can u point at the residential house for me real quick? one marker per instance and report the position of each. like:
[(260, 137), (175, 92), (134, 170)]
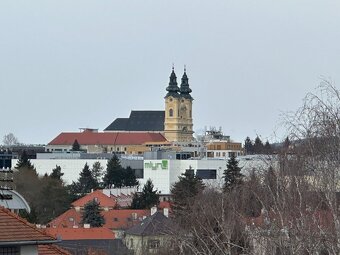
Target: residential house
[(150, 235)]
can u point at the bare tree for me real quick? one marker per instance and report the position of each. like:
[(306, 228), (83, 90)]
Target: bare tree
[(10, 139)]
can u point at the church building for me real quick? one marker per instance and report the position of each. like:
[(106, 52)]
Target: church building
[(175, 123), (142, 130)]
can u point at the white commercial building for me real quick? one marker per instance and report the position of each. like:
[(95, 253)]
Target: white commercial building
[(163, 172)]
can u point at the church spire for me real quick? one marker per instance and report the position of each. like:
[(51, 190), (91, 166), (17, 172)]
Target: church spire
[(185, 89), (173, 88)]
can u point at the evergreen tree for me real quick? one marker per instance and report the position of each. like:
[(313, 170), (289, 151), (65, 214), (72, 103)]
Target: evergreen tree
[(248, 146), (232, 175), (184, 192), (97, 171), (258, 145), (24, 162), (92, 215), (129, 178), (56, 173), (75, 146), (52, 200), (114, 173), (147, 199), (86, 181), (267, 148)]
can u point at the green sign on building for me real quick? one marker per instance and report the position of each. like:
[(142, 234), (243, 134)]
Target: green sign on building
[(163, 165)]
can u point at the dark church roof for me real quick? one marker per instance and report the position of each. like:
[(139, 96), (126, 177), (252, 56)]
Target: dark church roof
[(139, 121)]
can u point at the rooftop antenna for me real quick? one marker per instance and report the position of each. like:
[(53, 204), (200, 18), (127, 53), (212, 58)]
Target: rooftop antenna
[(173, 66)]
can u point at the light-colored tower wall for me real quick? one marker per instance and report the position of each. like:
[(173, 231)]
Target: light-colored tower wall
[(172, 119), (185, 120), (178, 124)]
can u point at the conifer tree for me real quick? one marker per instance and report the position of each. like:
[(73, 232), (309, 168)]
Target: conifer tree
[(24, 162), (232, 175), (114, 173), (86, 181), (258, 145), (129, 178), (267, 148), (97, 171), (184, 192), (92, 215), (56, 173), (248, 146), (76, 146), (147, 198)]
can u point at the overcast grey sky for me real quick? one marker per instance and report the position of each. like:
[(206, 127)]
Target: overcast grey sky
[(66, 64)]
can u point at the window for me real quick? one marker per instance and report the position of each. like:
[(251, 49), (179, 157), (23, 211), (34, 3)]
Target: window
[(9, 250), (153, 244), (206, 174), (171, 113), (139, 173), (115, 219), (70, 219), (131, 243)]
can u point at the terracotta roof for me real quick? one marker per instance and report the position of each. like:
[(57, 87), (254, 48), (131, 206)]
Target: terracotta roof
[(114, 219), (123, 219), (81, 233), (103, 199), (68, 219), (13, 228), (110, 138), (50, 249)]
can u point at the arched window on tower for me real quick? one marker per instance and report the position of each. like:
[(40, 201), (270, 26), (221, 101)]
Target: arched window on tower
[(171, 113)]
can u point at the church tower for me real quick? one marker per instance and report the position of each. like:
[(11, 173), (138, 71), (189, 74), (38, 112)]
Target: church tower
[(178, 124)]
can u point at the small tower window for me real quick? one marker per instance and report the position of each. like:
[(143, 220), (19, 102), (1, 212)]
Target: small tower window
[(171, 113)]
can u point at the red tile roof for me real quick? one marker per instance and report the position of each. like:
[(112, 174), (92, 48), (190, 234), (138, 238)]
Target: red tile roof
[(81, 233), (122, 219), (117, 138), (68, 219), (103, 199), (50, 249), (13, 228), (114, 219)]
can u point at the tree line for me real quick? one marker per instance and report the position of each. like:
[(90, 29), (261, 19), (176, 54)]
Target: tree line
[(49, 196)]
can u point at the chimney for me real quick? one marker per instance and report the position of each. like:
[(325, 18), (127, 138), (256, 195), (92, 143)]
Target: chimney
[(166, 212), (87, 226), (153, 210)]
